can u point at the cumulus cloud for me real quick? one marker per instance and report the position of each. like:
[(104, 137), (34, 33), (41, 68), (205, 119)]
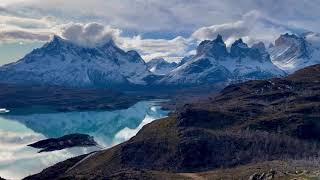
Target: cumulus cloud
[(252, 27), (89, 35), (96, 34), (154, 48)]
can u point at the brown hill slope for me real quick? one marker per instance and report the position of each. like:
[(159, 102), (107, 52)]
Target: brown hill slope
[(255, 121)]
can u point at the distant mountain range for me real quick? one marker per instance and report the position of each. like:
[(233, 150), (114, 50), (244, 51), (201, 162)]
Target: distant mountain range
[(214, 63), (60, 62)]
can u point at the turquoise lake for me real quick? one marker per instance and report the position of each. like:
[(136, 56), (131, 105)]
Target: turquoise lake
[(109, 128)]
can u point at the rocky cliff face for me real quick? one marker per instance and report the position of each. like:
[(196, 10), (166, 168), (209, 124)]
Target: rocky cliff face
[(292, 52)]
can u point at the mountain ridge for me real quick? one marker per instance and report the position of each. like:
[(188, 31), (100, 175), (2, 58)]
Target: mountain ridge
[(214, 63), (60, 62)]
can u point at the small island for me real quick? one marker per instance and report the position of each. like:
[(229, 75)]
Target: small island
[(67, 141)]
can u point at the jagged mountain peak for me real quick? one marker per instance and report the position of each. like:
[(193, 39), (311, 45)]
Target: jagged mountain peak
[(240, 43), (239, 49), (257, 52), (215, 48), (288, 39), (214, 64), (57, 42), (297, 44), (219, 39), (56, 38)]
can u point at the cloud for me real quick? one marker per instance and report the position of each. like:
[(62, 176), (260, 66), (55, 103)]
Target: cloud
[(23, 35), (252, 27), (173, 16), (89, 35), (155, 28), (95, 34), (228, 30), (20, 28), (154, 48)]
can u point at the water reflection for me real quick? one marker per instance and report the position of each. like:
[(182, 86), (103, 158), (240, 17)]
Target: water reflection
[(108, 127)]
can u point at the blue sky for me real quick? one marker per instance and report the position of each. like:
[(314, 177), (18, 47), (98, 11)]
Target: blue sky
[(156, 28)]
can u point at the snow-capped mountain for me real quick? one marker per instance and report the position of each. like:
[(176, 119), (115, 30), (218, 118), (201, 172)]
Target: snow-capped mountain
[(292, 52), (159, 66), (214, 63), (60, 62)]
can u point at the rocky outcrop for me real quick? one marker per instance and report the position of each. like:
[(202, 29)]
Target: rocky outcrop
[(263, 176)]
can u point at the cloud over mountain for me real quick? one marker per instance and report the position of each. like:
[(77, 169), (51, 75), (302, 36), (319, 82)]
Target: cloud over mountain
[(90, 35), (252, 27)]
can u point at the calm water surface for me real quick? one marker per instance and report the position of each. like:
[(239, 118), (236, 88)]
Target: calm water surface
[(108, 127)]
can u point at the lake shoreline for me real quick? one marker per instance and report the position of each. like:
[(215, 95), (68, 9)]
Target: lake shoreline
[(108, 128)]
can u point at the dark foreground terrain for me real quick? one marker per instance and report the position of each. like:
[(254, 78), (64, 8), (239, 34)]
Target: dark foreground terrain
[(256, 129)]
